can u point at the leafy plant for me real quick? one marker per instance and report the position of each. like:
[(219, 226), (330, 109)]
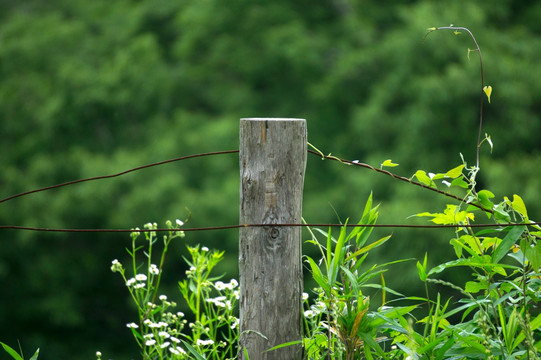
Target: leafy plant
[(161, 333), (341, 323), (14, 353)]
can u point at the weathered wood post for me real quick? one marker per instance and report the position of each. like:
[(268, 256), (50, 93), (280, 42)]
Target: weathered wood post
[(272, 166)]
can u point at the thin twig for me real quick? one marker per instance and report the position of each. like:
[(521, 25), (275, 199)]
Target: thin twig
[(457, 30)]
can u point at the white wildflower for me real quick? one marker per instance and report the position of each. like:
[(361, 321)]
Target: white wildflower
[(219, 285), (177, 350), (204, 342), (175, 340), (153, 269), (233, 284), (140, 277), (132, 325), (116, 266), (150, 342)]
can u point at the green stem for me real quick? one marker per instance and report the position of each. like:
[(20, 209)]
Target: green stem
[(478, 49)]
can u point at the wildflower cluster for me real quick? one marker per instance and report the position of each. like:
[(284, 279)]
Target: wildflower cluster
[(158, 331), (163, 333), (213, 303)]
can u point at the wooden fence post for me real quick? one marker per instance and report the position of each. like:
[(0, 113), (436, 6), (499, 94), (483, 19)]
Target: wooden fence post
[(272, 166)]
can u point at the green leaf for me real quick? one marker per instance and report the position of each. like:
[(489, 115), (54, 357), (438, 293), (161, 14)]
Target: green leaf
[(519, 206), (508, 241), (35, 356), (441, 351), (460, 262), (424, 178), (484, 196), (532, 253), (339, 253), (455, 173), (421, 269), (488, 92), (317, 275), (388, 163), (352, 281), (391, 313), (194, 352), (289, 343), (451, 215), (474, 286), (368, 247), (459, 181), (11, 352)]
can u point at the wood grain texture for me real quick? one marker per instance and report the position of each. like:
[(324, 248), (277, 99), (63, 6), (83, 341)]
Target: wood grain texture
[(272, 167)]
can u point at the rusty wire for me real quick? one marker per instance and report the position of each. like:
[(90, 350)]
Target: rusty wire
[(228, 227)]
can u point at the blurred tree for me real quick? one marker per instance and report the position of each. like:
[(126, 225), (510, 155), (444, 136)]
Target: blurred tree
[(92, 88)]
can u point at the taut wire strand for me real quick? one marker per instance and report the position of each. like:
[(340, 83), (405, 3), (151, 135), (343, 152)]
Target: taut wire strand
[(117, 174), (229, 227)]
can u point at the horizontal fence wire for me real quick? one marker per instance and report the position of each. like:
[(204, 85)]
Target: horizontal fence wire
[(228, 227), (240, 226), (117, 174)]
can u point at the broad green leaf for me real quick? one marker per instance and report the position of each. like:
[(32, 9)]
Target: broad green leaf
[(484, 196), (451, 215), (473, 243), (455, 173), (511, 238), (532, 253), (459, 181), (474, 286), (388, 163), (424, 178), (518, 206), (500, 214)]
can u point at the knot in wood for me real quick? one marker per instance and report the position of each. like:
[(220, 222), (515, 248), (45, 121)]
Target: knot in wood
[(274, 233)]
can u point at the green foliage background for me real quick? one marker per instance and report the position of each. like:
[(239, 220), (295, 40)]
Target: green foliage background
[(95, 87)]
